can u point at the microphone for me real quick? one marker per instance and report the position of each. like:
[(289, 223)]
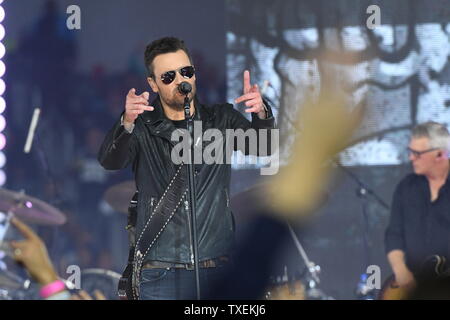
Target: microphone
[(185, 88)]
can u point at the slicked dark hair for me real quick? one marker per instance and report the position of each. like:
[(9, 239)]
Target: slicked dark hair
[(161, 46)]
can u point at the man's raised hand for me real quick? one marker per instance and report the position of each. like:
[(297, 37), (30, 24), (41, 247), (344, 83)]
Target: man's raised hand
[(252, 97), (136, 105)]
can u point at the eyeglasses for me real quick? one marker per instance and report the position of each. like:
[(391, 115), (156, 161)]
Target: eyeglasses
[(186, 72), (417, 154)]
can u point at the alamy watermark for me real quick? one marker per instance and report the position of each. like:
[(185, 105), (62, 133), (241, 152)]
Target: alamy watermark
[(75, 276), (374, 20), (73, 22), (374, 277), (214, 146)]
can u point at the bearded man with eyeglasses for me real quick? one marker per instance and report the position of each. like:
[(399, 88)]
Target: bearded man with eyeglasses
[(142, 138), (419, 226)]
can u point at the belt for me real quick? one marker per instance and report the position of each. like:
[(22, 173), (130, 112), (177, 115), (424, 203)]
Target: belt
[(210, 263)]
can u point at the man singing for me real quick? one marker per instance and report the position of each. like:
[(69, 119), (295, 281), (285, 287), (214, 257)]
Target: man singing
[(420, 216), (142, 138)]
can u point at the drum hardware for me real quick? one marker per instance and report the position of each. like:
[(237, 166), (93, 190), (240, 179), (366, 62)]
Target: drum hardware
[(30, 210), (9, 280), (106, 281), (14, 287), (312, 292), (285, 288)]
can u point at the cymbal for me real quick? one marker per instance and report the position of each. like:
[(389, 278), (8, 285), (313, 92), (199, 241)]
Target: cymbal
[(120, 195), (30, 209)]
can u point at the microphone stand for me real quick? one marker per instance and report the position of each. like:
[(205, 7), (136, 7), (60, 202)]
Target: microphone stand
[(58, 198), (362, 192), (363, 189), (45, 163), (192, 195)]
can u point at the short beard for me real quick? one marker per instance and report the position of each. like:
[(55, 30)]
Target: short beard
[(178, 105)]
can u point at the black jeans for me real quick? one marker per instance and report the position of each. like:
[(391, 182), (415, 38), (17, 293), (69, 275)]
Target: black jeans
[(177, 284)]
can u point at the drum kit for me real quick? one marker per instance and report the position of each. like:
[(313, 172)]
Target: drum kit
[(37, 212), (305, 287), (34, 211), (284, 286), (30, 210)]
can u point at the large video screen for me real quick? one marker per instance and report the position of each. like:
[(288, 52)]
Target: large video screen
[(402, 70)]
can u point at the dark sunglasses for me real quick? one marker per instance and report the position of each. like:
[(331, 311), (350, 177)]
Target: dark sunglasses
[(186, 72), (417, 154)]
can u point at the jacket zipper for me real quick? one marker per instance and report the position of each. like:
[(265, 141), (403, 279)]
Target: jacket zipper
[(228, 198), (186, 206), (152, 204)]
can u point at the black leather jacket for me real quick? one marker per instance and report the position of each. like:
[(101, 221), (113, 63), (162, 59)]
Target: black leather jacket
[(148, 149)]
